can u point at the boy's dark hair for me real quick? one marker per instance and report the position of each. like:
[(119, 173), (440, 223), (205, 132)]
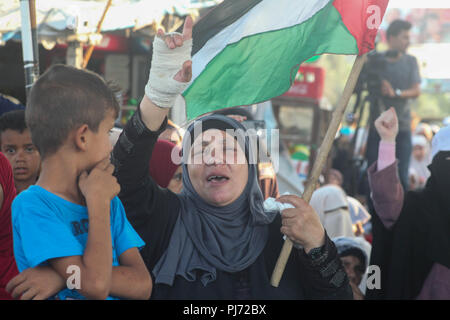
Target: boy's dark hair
[(63, 99), (396, 27), (13, 120)]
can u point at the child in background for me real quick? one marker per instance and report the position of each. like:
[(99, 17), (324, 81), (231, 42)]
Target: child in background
[(72, 222), (420, 160), (16, 145), (354, 254)]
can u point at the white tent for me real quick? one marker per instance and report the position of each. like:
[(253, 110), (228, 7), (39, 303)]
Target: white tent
[(57, 20)]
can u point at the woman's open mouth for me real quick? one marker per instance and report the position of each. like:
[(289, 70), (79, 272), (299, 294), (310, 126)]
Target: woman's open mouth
[(217, 179)]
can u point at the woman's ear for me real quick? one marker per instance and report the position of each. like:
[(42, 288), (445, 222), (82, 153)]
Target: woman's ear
[(81, 137)]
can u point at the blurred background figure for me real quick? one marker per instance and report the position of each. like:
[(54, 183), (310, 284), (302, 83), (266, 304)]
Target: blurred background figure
[(287, 177), (435, 128), (358, 213), (400, 85), (343, 159), (420, 160), (114, 135), (330, 203), (173, 133), (334, 177), (446, 122), (354, 254), (425, 130), (163, 168)]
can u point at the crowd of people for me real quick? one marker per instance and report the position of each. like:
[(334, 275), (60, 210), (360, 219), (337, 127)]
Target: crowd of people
[(136, 223)]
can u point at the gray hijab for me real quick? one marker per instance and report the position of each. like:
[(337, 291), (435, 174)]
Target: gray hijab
[(205, 237)]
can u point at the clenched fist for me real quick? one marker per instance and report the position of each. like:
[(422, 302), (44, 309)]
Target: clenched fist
[(387, 125)]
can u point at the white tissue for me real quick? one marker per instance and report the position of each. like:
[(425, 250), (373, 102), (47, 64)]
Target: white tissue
[(272, 205)]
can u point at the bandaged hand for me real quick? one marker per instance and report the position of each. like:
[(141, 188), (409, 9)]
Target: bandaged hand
[(171, 69)]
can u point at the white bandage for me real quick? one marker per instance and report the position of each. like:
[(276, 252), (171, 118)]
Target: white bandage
[(161, 88)]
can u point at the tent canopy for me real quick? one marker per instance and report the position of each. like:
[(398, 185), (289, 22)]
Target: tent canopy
[(56, 19)]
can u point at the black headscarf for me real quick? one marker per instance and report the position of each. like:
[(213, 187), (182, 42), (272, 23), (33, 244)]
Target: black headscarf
[(206, 237), (421, 236)]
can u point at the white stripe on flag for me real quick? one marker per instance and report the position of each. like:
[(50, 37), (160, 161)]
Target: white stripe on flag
[(266, 16)]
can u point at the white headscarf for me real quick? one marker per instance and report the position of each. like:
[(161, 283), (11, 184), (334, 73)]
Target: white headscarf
[(343, 244), (420, 168), (330, 203), (441, 141)]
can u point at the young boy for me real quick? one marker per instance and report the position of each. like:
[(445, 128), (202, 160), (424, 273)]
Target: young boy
[(16, 145), (72, 221)]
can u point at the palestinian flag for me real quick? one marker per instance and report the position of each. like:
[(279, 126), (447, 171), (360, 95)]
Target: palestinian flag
[(249, 51)]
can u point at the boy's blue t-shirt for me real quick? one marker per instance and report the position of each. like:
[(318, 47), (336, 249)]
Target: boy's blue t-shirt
[(46, 226)]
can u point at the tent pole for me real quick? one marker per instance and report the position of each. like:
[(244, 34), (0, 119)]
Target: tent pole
[(29, 50)]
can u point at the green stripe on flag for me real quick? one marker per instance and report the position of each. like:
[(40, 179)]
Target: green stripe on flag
[(263, 66)]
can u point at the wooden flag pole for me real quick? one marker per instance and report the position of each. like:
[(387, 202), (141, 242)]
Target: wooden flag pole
[(34, 37), (87, 57), (320, 161)]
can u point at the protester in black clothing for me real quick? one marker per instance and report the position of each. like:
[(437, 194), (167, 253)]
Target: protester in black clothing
[(215, 240)]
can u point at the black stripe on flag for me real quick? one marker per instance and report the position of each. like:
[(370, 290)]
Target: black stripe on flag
[(217, 19)]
